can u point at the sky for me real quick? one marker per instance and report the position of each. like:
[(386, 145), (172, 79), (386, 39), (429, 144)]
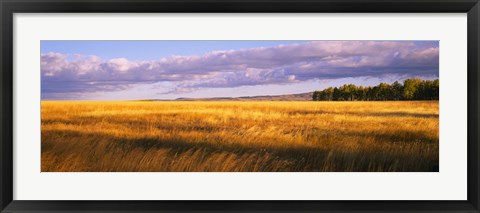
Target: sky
[(139, 70)]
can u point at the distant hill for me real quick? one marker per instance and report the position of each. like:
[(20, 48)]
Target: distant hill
[(288, 97)]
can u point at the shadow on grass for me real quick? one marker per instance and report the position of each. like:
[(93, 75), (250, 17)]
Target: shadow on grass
[(367, 114), (303, 158)]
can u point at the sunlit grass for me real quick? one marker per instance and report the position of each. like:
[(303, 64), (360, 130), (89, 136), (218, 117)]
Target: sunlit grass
[(239, 136)]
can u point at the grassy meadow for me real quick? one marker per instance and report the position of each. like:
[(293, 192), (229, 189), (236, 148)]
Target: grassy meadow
[(236, 136)]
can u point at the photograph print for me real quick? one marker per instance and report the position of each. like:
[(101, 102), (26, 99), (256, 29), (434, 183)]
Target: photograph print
[(239, 106)]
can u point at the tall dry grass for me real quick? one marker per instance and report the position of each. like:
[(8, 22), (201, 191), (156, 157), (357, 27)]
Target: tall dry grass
[(239, 136)]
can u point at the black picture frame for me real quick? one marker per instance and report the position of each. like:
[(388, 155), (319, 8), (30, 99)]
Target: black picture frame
[(9, 7)]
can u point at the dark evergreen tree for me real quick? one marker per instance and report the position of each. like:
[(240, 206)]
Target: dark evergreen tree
[(397, 91)]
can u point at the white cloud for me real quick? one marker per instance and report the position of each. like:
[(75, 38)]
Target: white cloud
[(231, 68)]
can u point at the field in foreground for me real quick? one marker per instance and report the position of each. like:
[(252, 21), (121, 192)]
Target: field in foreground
[(239, 136)]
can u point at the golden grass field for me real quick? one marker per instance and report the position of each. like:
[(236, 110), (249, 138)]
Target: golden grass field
[(215, 136)]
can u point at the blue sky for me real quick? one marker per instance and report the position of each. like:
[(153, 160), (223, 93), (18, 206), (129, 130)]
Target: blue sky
[(149, 50), (132, 70)]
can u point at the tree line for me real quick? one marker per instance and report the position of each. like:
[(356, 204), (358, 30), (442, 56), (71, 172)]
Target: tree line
[(411, 89)]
